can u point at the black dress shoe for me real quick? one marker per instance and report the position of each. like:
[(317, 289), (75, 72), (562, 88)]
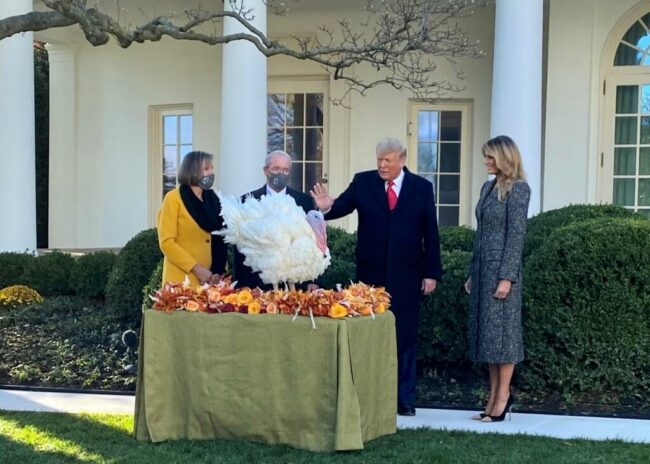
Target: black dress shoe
[(405, 410)]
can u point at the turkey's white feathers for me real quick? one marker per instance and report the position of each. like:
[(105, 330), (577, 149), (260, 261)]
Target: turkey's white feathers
[(274, 236)]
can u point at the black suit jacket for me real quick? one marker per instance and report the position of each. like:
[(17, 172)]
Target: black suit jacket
[(397, 248), (243, 274)]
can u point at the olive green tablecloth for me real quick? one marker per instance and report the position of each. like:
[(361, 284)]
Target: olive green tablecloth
[(267, 379)]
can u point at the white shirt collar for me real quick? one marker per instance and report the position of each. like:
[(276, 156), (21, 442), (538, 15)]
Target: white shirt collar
[(270, 191), (397, 186)]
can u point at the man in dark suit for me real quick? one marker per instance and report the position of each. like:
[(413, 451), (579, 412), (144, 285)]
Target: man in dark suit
[(277, 170), (397, 247)]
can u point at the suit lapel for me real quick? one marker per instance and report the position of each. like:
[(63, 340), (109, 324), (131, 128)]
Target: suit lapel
[(380, 192), (486, 197)]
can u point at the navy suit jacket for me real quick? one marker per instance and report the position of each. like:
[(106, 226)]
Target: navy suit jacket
[(243, 274), (397, 248)]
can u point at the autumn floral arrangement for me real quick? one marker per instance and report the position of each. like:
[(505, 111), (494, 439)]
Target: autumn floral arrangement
[(356, 300)]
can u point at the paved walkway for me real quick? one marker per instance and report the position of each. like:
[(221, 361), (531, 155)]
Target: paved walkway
[(565, 427)]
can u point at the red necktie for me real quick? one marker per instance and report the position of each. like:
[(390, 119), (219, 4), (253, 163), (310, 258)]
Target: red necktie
[(392, 196)]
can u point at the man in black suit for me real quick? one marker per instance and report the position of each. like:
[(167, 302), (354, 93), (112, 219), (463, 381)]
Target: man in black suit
[(277, 170), (397, 247)]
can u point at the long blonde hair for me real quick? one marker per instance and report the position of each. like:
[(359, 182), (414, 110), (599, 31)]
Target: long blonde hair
[(507, 158)]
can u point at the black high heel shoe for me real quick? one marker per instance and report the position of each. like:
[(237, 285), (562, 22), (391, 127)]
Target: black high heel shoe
[(506, 410)]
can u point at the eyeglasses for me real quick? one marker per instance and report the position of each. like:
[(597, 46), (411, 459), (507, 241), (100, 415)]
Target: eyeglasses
[(276, 170)]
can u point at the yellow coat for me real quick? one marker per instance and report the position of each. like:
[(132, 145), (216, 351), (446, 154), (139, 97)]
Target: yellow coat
[(182, 241)]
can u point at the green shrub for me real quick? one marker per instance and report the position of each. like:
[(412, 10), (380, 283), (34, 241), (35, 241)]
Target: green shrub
[(587, 295), (541, 226), (442, 332), (456, 238), (90, 273), (49, 274), (12, 268), (131, 272), (343, 266), (154, 284), (18, 295)]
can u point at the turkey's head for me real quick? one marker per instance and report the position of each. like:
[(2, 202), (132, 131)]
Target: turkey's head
[(317, 223)]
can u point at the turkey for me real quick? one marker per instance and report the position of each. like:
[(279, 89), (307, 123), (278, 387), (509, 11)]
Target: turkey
[(277, 238)]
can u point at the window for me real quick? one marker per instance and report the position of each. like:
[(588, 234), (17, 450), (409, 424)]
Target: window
[(634, 47), (296, 124), (437, 154), (624, 161), (631, 173), (176, 143), (170, 139)]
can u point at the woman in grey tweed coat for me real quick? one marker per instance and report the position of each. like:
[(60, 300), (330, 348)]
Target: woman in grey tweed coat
[(495, 277)]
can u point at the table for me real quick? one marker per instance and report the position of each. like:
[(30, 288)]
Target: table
[(267, 379)]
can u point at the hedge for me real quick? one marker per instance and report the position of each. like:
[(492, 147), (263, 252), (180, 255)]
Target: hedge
[(90, 273), (587, 296), (131, 272), (49, 274), (541, 226), (442, 332)]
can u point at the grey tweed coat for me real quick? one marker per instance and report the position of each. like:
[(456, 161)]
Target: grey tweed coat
[(495, 325)]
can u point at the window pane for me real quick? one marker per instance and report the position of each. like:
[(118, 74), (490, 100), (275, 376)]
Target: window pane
[(644, 192), (314, 109), (450, 126), (427, 157), (624, 192), (314, 144), (294, 144), (296, 176), (169, 130), (645, 212), (645, 129), (625, 130), (275, 140), (295, 109), (625, 161), (313, 174), (644, 161), (185, 149), (169, 168), (627, 97), (625, 56), (428, 126), (645, 99), (448, 215), (275, 107), (450, 157), (186, 129), (449, 190)]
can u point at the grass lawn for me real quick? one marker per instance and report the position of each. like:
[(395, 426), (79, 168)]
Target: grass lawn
[(51, 438)]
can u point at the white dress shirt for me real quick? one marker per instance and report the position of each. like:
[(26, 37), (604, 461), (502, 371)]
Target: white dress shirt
[(397, 183)]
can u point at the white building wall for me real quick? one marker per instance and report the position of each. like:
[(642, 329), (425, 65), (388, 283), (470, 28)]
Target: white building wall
[(115, 88), (577, 35)]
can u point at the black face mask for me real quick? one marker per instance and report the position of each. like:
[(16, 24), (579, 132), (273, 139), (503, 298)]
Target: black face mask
[(278, 181), (206, 182)]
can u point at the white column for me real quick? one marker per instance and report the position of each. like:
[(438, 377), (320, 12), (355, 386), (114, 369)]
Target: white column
[(62, 218), (517, 84), (17, 145), (243, 108)]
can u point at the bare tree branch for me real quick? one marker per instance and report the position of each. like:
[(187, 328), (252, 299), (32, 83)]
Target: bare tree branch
[(397, 43)]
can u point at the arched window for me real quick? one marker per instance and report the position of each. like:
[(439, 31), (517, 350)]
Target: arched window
[(634, 47), (627, 148)]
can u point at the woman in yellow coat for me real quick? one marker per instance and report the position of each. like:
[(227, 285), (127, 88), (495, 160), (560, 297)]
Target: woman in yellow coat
[(188, 215)]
